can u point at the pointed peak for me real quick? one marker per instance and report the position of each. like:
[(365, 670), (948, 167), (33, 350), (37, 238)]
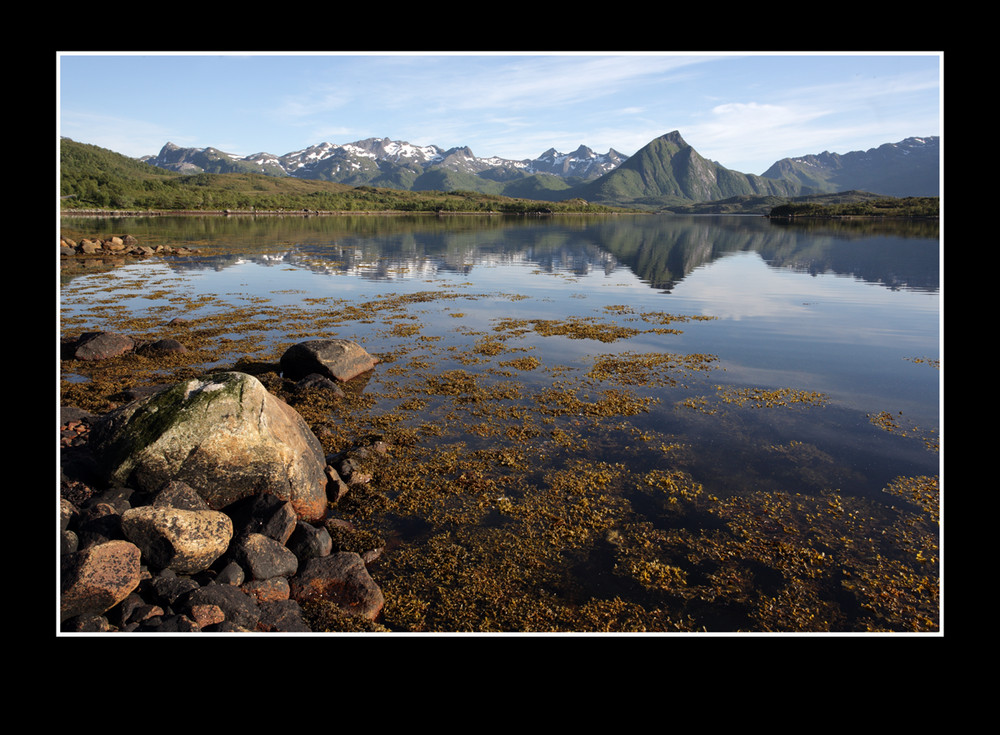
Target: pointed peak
[(674, 137)]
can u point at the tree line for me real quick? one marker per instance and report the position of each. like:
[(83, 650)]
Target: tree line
[(882, 207)]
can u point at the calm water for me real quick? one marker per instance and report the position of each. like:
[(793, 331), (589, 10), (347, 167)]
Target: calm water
[(847, 311)]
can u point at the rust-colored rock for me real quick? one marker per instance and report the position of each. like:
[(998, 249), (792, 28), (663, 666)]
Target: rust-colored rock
[(342, 579), (98, 578)]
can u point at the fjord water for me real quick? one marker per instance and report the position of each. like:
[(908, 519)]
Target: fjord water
[(848, 311)]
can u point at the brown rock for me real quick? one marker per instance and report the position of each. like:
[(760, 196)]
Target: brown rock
[(342, 579), (98, 578), (207, 615), (339, 359), (102, 345), (161, 347), (268, 590)]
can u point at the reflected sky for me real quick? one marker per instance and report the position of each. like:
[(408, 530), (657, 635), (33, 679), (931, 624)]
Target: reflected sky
[(777, 323)]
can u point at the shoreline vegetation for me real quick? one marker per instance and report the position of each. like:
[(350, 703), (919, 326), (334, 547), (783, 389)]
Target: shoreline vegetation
[(905, 207), (888, 207), (314, 212)]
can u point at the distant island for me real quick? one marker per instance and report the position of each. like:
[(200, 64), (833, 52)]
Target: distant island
[(867, 207)]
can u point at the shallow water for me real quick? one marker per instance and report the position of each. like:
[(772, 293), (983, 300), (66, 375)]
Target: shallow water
[(796, 337)]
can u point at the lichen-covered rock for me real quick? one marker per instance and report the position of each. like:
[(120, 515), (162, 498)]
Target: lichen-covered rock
[(339, 359), (186, 541), (98, 578), (225, 435)]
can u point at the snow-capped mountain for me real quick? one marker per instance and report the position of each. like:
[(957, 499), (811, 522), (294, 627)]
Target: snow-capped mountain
[(666, 167), (379, 157)]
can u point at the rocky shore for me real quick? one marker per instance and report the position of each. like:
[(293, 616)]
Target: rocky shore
[(209, 505), (115, 245)]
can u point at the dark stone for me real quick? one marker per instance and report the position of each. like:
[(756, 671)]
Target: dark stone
[(161, 347), (232, 573), (342, 579), (319, 382), (168, 624), (118, 498), (263, 557), (282, 616), (167, 587), (97, 524), (281, 524), (240, 608), (308, 541), (252, 514), (102, 345), (338, 359)]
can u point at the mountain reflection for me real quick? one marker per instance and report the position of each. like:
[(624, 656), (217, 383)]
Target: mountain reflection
[(661, 250)]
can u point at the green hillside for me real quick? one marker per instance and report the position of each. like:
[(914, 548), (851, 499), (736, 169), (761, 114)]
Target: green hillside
[(864, 205), (668, 172), (96, 178)]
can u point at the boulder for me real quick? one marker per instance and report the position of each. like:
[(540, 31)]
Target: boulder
[(186, 541), (281, 616), (102, 345), (308, 541), (263, 557), (239, 609), (225, 435), (342, 579), (315, 381), (98, 578), (267, 590), (337, 359), (160, 347)]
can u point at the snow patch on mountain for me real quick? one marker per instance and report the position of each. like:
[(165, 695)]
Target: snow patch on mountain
[(582, 163)]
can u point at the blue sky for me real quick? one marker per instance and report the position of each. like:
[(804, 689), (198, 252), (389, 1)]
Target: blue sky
[(745, 111)]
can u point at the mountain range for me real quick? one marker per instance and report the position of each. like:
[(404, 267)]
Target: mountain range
[(665, 171)]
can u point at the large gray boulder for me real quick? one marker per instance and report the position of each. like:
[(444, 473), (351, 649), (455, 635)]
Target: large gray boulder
[(224, 435), (338, 359)]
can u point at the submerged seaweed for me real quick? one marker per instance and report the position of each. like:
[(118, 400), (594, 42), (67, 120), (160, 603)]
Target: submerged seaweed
[(525, 496)]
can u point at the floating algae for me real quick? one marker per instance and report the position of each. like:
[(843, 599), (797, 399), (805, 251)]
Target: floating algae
[(523, 495)]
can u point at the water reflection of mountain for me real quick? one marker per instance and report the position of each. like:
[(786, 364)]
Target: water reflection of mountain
[(660, 250), (663, 250)]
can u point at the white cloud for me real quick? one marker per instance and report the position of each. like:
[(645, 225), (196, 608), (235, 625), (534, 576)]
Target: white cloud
[(123, 135)]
